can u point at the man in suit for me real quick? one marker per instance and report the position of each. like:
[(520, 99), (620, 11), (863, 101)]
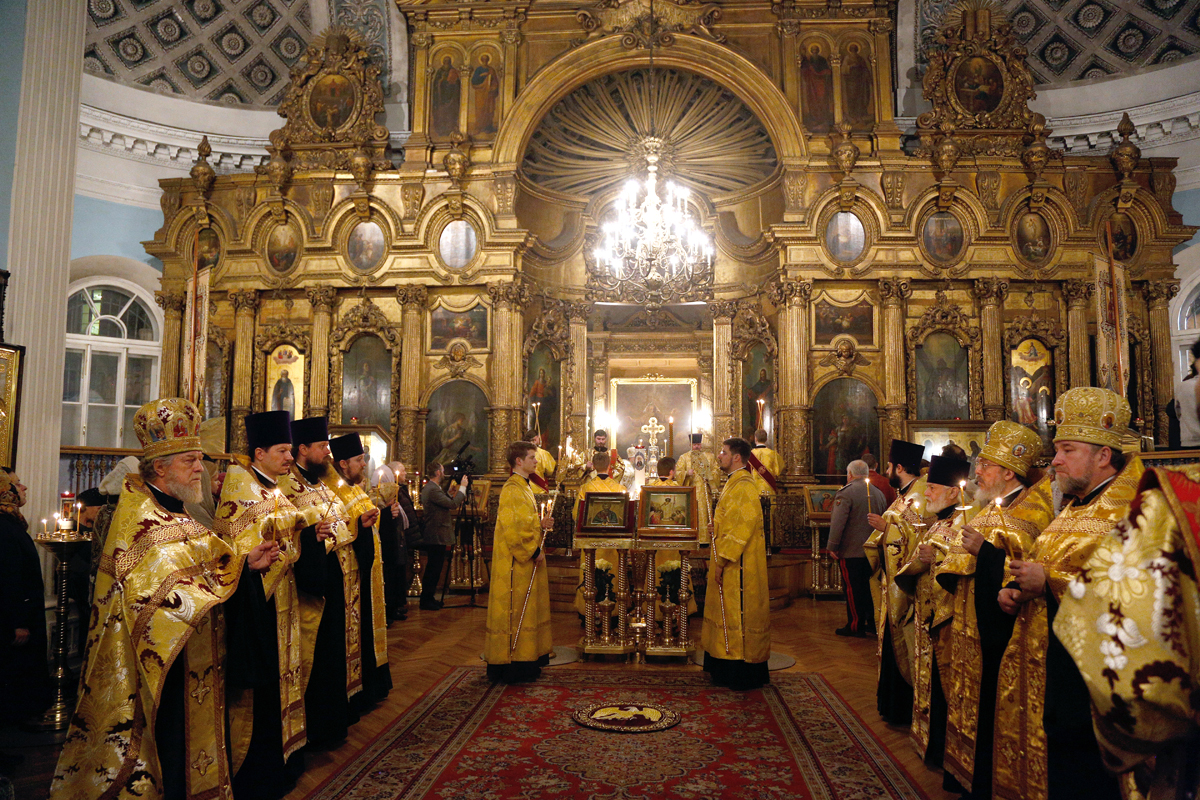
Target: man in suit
[(439, 529), (848, 532)]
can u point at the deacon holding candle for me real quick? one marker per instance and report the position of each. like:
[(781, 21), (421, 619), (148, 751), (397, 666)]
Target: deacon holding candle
[(849, 531), (1015, 508)]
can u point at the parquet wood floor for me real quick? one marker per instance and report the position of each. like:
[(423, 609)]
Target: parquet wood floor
[(428, 643)]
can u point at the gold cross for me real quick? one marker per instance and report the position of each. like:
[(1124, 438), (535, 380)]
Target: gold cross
[(653, 428)]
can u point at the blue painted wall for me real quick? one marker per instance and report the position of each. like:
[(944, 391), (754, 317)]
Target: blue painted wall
[(1188, 204), (105, 228), (12, 45)]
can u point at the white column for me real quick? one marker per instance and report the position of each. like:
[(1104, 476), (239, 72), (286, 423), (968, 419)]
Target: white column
[(39, 237)]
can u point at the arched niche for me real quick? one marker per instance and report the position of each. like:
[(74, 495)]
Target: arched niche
[(457, 417), (845, 426)]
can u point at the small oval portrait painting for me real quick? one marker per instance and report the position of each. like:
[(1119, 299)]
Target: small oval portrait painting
[(208, 248), (845, 237), (978, 85), (457, 244), (365, 246), (331, 101), (942, 236), (1124, 237), (283, 248), (1032, 237)]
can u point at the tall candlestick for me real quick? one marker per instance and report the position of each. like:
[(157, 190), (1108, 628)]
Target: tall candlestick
[(760, 402), (670, 437), (43, 527)]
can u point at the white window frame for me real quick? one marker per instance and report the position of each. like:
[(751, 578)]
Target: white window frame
[(122, 348)]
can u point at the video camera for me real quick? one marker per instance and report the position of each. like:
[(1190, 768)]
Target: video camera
[(462, 465)]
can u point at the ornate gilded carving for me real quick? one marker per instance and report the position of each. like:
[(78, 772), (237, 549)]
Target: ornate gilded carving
[(457, 361), (512, 295), (552, 328), (844, 357), (631, 20), (987, 186), (505, 187), (790, 292), (1078, 293), (1126, 154), (412, 194), (578, 312), (894, 291), (321, 297), (750, 327), (990, 291), (1162, 183), (322, 199), (950, 318), (1077, 185), (845, 152), (365, 317), (244, 201), (458, 160), (722, 309), (174, 302), (977, 80), (1160, 293), (203, 177), (892, 183), (330, 106), (795, 183), (412, 295), (265, 341), (244, 300), (169, 202)]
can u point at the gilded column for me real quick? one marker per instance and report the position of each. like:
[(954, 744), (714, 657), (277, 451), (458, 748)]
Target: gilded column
[(408, 438), (416, 148), (722, 311), (1158, 298), (792, 298), (172, 304), (1079, 359), (245, 304), (577, 423), (508, 300), (39, 246), (893, 292), (990, 292), (321, 298)]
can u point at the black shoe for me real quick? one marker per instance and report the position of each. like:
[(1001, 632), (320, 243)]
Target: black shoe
[(432, 605), (846, 631)]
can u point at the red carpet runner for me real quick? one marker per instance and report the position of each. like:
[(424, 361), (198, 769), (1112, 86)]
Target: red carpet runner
[(469, 740)]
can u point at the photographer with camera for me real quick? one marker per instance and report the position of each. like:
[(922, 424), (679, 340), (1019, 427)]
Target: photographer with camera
[(439, 528)]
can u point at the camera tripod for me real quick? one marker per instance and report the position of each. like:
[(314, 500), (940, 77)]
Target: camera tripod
[(466, 531)]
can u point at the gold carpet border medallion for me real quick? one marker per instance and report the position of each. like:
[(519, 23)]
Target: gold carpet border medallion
[(625, 717)]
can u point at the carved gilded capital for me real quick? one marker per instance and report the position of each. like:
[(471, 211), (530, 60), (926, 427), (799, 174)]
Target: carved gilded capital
[(1159, 293), (722, 309), (1078, 292), (412, 295), (882, 25), (578, 312), (508, 295), (171, 301), (420, 40), (321, 298), (244, 301), (789, 292), (894, 291), (990, 291)]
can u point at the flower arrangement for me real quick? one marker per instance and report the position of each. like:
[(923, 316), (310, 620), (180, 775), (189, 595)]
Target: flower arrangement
[(670, 576), (604, 580)]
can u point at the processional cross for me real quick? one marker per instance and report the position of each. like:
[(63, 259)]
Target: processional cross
[(653, 428)]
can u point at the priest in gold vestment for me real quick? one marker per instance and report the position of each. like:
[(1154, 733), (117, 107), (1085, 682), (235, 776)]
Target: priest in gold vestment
[(268, 667), (933, 605), (601, 482), (769, 460), (350, 463), (334, 611), (539, 479), (1131, 622), (737, 627), (697, 467), (517, 642), (150, 721), (1013, 511), (897, 531), (1045, 746)]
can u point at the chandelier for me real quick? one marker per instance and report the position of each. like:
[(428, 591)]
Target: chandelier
[(653, 251)]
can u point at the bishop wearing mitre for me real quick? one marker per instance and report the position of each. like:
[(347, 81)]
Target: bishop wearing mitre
[(150, 720)]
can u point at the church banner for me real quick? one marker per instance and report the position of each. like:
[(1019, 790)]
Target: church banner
[(195, 334), (1112, 333)]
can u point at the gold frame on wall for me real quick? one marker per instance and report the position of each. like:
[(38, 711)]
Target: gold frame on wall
[(12, 374), (826, 295), (613, 383)]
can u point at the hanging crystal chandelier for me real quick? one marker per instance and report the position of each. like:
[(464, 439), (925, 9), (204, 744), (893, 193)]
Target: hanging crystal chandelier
[(654, 251)]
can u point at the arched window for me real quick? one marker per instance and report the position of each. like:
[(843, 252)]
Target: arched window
[(111, 366)]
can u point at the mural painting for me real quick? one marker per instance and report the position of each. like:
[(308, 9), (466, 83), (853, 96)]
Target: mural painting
[(485, 94), (845, 236), (831, 321), (1031, 386), (543, 387), (816, 87), (457, 423), (978, 85), (283, 247), (367, 383), (943, 378), (758, 383), (845, 427), (471, 325), (1124, 237), (365, 246), (1033, 237), (208, 248), (285, 376), (444, 96)]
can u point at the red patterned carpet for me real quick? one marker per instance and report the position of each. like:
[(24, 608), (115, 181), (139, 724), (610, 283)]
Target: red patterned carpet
[(467, 739)]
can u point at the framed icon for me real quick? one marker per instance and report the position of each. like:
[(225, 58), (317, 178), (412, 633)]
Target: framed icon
[(606, 514), (668, 512), (12, 374), (818, 501)]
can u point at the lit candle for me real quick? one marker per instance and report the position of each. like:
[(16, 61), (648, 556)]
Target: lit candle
[(962, 489), (760, 402), (43, 527), (867, 481), (671, 437)]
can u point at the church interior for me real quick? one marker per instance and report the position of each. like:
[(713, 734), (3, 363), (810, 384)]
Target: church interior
[(451, 226)]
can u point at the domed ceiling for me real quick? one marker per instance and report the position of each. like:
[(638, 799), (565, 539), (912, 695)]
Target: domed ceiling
[(236, 52), (702, 135), (1072, 40)]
